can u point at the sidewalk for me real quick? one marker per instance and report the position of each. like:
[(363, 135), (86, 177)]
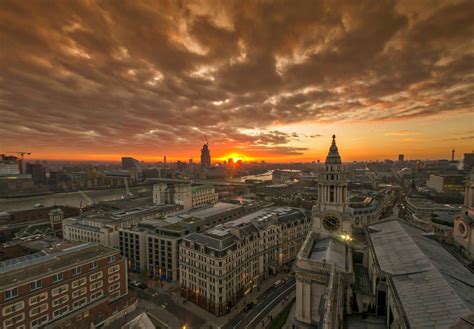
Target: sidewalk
[(211, 321), (217, 322), (274, 313)]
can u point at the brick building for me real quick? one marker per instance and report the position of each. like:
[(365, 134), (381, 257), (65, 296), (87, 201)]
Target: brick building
[(70, 285)]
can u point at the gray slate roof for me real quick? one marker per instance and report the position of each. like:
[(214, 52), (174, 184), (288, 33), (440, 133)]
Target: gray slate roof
[(425, 276)]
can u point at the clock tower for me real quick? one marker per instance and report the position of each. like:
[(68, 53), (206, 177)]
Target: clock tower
[(330, 214)]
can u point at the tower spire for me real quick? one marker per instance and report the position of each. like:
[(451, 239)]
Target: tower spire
[(333, 154)]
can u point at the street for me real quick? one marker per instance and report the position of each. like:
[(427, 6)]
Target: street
[(165, 301), (264, 304)]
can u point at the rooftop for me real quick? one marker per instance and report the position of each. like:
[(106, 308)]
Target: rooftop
[(425, 203), (202, 212), (330, 251), (432, 286), (23, 269), (265, 215)]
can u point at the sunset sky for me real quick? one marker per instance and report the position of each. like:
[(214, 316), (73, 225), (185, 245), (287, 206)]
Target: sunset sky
[(269, 80)]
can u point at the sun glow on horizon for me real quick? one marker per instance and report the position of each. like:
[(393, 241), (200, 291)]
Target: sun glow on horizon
[(235, 157)]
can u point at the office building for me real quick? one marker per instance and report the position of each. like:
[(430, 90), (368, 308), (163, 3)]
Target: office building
[(185, 195), (103, 228), (38, 173), (220, 266), (446, 182), (69, 285), (401, 158), (153, 244), (129, 163), (205, 156), (468, 161)]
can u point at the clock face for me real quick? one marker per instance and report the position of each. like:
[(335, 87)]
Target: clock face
[(331, 223)]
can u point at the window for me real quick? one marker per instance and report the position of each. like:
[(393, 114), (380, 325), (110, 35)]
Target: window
[(113, 269), (61, 300), (96, 285), (80, 292), (10, 294), (95, 276), (13, 308), (76, 271), (58, 277), (59, 290), (79, 302), (114, 295), (113, 278), (39, 321), (38, 298), (97, 295), (60, 312), (10, 322), (35, 285), (112, 259), (78, 283), (114, 286), (94, 265), (39, 309)]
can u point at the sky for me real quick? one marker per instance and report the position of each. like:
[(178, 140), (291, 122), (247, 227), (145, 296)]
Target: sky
[(266, 80)]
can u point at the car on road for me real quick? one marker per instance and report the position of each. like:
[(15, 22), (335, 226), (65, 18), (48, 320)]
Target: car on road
[(278, 283), (249, 306), (142, 286)]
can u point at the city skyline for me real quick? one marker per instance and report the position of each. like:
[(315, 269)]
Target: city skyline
[(265, 81)]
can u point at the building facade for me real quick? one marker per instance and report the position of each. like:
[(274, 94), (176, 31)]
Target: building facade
[(463, 233), (153, 245), (324, 269), (67, 286), (104, 228), (220, 266), (185, 195)]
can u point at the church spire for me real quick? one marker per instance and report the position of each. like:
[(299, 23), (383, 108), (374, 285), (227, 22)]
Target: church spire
[(333, 155)]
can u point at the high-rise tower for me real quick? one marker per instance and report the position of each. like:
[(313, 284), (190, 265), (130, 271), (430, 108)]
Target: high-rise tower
[(330, 214), (205, 156)]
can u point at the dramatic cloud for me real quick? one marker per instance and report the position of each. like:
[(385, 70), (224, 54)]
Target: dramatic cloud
[(147, 76)]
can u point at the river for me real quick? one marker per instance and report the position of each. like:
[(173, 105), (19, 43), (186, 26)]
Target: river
[(73, 199)]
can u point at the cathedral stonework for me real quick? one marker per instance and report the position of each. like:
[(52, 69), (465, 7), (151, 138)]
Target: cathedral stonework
[(331, 216), (324, 273)]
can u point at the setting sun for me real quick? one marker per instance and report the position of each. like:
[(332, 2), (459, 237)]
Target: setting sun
[(235, 157)]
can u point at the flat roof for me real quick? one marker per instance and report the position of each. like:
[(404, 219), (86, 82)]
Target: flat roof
[(261, 215), (202, 212), (331, 251), (433, 288), (17, 271)]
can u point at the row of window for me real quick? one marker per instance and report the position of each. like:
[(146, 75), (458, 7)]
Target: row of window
[(36, 323), (38, 284)]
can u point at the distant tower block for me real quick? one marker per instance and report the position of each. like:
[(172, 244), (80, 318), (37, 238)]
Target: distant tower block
[(164, 159), (401, 157), (452, 155), (56, 217)]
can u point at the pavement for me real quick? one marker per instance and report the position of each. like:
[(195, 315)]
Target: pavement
[(164, 305), (268, 305)]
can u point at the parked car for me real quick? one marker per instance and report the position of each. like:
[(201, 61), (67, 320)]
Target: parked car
[(142, 286)]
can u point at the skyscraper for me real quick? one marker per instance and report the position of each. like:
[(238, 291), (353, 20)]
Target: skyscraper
[(205, 156)]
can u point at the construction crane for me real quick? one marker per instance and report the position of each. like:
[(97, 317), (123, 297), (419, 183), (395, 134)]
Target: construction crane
[(22, 157)]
